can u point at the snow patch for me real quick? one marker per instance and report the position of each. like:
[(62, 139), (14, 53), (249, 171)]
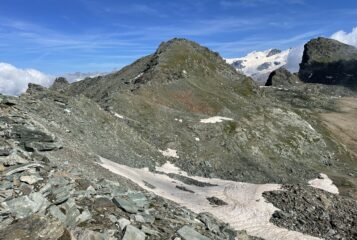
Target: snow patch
[(138, 76), (178, 120), (67, 110), (324, 183), (216, 119), (197, 139), (118, 115), (246, 208), (169, 153)]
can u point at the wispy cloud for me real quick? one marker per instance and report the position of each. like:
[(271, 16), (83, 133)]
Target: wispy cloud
[(261, 43), (256, 3)]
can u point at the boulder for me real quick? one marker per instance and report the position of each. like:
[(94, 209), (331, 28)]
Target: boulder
[(282, 77), (42, 146), (31, 179), (132, 233), (86, 234), (328, 61), (127, 206), (24, 206), (187, 233), (35, 227)]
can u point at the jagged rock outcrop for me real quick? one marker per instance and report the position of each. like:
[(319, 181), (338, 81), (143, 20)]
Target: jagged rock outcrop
[(328, 61), (282, 77), (60, 84)]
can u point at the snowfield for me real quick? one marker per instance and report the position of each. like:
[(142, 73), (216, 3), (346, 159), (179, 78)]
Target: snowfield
[(216, 119), (246, 209), (259, 64)]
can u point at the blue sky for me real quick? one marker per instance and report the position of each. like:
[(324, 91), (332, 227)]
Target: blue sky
[(57, 36)]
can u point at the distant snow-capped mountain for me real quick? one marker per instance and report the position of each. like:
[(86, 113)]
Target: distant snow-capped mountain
[(77, 76), (259, 64)]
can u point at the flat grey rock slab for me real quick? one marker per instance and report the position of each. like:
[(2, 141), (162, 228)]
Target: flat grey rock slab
[(126, 205), (26, 205), (132, 233), (187, 233)]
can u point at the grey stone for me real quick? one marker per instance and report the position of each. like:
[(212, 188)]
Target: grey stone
[(72, 213), (144, 218), (42, 146), (85, 234), (24, 206), (123, 222), (10, 101), (282, 77), (149, 231), (187, 233), (4, 223), (14, 159), (60, 194), (210, 222), (5, 185), (11, 171), (132, 233), (138, 198), (85, 216), (57, 213), (112, 218), (5, 194), (5, 151), (126, 205), (32, 179), (35, 227), (25, 134)]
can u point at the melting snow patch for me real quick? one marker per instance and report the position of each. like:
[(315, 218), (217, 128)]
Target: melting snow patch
[(139, 75), (246, 208), (324, 183), (169, 153), (118, 115), (216, 119)]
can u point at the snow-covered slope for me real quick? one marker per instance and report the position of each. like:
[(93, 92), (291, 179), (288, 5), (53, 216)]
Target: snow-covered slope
[(259, 64)]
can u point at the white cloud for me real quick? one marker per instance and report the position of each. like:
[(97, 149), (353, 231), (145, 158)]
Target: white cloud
[(14, 81), (294, 58), (347, 38)]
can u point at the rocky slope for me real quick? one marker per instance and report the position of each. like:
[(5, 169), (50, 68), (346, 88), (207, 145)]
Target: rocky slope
[(328, 61), (46, 195), (183, 104)]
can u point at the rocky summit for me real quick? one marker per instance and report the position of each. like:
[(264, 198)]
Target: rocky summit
[(328, 61), (173, 144)]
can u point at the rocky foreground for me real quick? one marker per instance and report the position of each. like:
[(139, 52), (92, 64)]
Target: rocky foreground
[(45, 199), (184, 105)]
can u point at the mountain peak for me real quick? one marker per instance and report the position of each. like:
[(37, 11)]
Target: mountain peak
[(328, 61)]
